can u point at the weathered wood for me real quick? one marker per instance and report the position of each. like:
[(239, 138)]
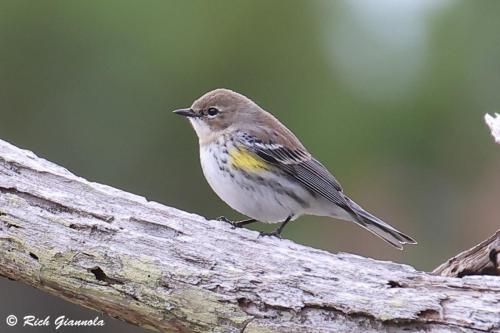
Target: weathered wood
[(494, 125), (168, 270), (482, 259)]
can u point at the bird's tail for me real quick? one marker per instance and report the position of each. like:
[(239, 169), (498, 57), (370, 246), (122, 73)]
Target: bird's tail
[(378, 227)]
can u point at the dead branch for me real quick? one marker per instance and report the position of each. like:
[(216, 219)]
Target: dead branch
[(168, 270)]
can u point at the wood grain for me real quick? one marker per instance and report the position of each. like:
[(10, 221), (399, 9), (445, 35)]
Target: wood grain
[(171, 271)]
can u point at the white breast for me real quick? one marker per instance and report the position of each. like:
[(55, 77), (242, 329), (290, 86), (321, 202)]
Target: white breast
[(254, 199)]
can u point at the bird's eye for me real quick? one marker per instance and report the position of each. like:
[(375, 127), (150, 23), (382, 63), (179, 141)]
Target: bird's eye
[(212, 111)]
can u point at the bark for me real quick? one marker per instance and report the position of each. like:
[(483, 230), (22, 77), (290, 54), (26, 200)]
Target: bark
[(482, 259), (168, 270)]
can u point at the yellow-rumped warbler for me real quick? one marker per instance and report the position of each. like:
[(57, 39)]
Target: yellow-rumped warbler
[(259, 168)]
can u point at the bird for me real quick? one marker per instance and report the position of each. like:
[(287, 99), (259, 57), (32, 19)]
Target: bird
[(260, 168)]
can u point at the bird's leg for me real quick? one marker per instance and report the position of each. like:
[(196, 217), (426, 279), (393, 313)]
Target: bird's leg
[(236, 224), (278, 230), (239, 224)]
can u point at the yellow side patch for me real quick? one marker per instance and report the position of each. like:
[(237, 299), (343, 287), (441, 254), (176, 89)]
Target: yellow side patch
[(246, 160)]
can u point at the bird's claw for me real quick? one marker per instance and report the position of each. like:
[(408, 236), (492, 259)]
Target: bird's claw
[(224, 219), (274, 233), (233, 224)]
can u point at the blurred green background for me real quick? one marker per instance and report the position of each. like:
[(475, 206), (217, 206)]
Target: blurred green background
[(389, 95)]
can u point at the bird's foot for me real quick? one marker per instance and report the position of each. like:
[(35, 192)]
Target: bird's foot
[(223, 219), (234, 224), (274, 233)]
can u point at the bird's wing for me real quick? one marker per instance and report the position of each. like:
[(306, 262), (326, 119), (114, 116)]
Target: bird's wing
[(302, 167)]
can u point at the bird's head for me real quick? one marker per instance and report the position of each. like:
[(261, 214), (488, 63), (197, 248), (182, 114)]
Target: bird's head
[(219, 110)]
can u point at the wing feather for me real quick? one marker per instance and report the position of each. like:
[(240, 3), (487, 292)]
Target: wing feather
[(306, 170)]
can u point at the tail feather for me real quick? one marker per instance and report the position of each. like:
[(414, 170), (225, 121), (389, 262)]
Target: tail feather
[(378, 227)]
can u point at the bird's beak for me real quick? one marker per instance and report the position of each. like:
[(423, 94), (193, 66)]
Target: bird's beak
[(186, 113)]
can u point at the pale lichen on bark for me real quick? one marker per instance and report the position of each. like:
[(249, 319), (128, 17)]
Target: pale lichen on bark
[(168, 270)]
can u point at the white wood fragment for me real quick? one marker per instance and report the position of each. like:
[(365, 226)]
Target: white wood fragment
[(494, 125)]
